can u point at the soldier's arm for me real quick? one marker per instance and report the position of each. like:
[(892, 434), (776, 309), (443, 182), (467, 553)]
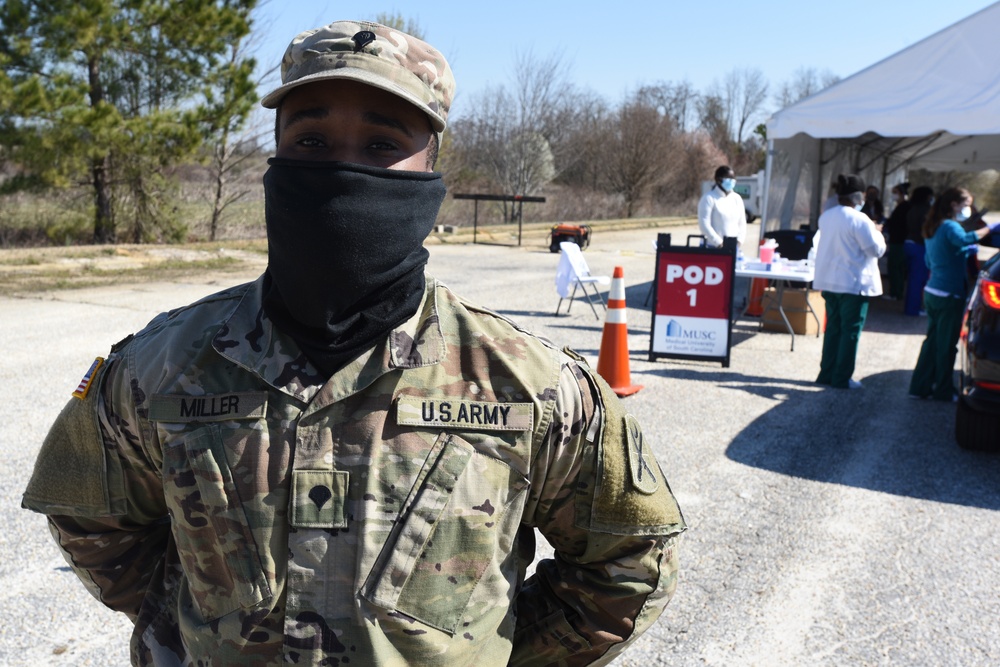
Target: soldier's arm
[(101, 493), (601, 500)]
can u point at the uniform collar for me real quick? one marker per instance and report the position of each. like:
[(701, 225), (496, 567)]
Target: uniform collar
[(249, 339)]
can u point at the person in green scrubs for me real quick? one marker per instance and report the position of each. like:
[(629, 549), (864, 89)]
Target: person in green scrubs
[(948, 247), (848, 245)]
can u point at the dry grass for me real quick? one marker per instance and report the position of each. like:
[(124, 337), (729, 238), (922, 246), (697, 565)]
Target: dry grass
[(37, 269), (25, 270)]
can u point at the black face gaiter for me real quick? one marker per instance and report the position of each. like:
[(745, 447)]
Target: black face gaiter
[(345, 252)]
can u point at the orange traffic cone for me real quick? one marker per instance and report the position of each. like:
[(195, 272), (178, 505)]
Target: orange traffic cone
[(756, 305), (612, 361)]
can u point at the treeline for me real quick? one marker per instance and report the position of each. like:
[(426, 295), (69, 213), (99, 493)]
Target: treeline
[(132, 121), (645, 155)]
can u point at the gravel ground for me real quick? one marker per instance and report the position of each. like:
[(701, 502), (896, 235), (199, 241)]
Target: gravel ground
[(827, 527)]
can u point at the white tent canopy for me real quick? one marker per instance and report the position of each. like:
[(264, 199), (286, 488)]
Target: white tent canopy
[(934, 105)]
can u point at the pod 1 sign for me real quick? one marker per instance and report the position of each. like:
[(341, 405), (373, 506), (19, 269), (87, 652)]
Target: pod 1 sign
[(693, 301)]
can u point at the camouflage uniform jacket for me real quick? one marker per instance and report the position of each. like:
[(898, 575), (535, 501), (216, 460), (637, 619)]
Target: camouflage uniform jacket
[(244, 511)]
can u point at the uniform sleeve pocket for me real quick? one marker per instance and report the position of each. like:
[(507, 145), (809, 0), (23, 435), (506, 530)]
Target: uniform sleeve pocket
[(217, 549), (447, 536)]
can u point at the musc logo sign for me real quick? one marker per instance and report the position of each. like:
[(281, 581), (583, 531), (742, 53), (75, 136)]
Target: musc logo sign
[(694, 288), (675, 330)]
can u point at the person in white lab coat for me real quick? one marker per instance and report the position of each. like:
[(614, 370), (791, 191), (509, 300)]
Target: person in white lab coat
[(721, 212), (848, 246)]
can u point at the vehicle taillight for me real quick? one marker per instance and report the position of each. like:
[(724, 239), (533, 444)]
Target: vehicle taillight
[(991, 293), (992, 386)]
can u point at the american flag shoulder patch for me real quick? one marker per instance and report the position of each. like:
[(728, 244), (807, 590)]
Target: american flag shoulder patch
[(88, 379)]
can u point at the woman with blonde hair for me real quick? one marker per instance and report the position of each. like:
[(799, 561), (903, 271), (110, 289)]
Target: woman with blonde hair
[(948, 246)]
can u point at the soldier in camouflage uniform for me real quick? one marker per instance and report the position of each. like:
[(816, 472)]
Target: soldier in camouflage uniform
[(352, 472)]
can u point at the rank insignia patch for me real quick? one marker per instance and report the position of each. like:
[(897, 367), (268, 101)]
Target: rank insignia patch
[(88, 379)]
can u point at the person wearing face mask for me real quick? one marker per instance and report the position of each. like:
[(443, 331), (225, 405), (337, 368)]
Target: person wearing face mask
[(721, 212), (344, 461), (948, 246), (895, 228), (873, 205), (848, 245)]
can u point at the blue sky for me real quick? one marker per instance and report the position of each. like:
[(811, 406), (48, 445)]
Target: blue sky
[(613, 48)]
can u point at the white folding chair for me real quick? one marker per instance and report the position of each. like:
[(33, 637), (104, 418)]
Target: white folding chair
[(573, 271)]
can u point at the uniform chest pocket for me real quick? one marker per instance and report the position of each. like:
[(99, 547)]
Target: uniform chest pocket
[(214, 540), (458, 520)]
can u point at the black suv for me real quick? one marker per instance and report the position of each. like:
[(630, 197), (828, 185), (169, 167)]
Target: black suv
[(977, 421)]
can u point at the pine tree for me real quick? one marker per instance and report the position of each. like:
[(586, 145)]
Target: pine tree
[(111, 93)]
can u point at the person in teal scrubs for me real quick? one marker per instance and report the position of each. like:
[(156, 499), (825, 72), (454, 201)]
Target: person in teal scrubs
[(948, 247)]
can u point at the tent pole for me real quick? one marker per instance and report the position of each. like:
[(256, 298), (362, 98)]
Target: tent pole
[(819, 191), (768, 164), (885, 174)]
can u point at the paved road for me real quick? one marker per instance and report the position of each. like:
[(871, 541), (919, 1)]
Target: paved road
[(827, 527)]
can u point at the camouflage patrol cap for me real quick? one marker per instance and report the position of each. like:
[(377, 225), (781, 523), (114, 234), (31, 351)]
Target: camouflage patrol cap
[(373, 54)]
